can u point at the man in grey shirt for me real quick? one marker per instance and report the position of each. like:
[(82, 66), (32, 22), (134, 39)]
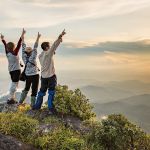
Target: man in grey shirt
[(48, 76)]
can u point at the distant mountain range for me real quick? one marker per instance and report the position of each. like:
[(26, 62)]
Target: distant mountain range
[(131, 98), (115, 90), (131, 85), (136, 108)]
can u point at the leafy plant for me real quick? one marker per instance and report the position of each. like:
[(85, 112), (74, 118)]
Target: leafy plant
[(18, 125), (117, 133), (72, 103), (62, 139)]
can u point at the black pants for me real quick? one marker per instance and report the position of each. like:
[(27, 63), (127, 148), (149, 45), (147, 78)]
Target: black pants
[(34, 80), (15, 75), (48, 83)]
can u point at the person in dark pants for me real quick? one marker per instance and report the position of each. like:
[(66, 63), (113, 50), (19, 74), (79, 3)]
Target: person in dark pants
[(48, 76), (29, 57), (13, 65), (47, 84)]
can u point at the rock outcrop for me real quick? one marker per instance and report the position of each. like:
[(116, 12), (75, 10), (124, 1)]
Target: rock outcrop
[(11, 143), (4, 107)]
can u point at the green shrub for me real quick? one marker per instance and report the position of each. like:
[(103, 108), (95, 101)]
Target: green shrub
[(117, 133), (72, 103), (18, 125), (60, 139)]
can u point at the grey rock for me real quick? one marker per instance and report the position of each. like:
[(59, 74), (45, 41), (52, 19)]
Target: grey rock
[(69, 121), (11, 143), (75, 124), (4, 107)]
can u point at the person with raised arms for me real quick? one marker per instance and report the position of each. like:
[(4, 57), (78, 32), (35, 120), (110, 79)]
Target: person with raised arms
[(48, 76), (31, 71), (13, 65)]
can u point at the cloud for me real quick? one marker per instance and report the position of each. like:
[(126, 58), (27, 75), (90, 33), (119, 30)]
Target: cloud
[(43, 13), (134, 47), (84, 48), (109, 65)]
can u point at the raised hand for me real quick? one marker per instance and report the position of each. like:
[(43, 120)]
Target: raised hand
[(2, 37), (63, 33), (23, 33), (39, 35)]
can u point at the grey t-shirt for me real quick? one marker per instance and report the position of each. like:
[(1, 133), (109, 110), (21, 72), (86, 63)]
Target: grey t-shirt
[(13, 62)]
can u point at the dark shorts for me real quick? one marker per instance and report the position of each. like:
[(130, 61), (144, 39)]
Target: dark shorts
[(48, 83), (15, 75)]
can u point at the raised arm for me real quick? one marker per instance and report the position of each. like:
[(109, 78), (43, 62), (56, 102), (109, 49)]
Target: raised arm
[(37, 41), (56, 43), (23, 51), (33, 56), (19, 43), (4, 42)]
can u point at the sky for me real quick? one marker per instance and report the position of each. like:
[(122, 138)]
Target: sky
[(105, 40)]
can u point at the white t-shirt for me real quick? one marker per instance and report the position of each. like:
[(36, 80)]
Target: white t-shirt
[(46, 60)]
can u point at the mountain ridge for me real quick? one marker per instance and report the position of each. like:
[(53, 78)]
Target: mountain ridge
[(136, 108)]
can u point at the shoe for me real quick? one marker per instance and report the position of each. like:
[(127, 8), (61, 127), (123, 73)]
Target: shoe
[(53, 110), (50, 112), (11, 101)]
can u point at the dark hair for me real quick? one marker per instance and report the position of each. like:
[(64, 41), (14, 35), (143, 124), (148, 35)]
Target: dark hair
[(10, 46), (44, 45)]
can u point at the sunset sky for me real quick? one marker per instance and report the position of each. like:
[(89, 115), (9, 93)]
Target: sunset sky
[(108, 38)]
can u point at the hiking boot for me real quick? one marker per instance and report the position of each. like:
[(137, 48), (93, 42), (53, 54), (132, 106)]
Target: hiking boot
[(23, 96), (53, 110), (51, 94), (11, 101), (39, 101), (33, 99), (50, 112)]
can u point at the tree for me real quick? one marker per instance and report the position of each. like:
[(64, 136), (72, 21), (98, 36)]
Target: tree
[(72, 103), (117, 133)]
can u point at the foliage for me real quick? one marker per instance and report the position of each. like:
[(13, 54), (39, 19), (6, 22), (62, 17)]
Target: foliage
[(62, 139), (117, 133), (18, 125), (26, 129), (113, 133), (24, 108), (72, 103)]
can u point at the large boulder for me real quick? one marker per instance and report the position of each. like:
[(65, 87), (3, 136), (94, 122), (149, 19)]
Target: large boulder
[(11, 143)]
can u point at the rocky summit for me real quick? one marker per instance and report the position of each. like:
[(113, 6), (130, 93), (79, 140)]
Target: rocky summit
[(12, 143)]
